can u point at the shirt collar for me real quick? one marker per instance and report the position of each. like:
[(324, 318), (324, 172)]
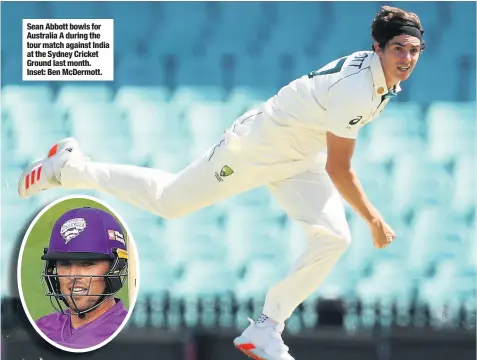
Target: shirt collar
[(380, 87)]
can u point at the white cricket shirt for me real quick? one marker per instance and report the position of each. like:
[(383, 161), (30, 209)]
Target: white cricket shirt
[(341, 97)]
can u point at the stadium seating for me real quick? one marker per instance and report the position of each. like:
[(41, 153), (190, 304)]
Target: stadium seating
[(31, 134), (177, 88), (399, 130), (437, 229), (417, 181), (447, 122), (445, 292), (75, 95), (15, 95)]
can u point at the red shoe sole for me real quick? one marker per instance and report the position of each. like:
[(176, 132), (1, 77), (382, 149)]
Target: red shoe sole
[(245, 348)]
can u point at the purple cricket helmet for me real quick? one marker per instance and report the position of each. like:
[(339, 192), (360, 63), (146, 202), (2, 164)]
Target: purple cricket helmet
[(85, 234)]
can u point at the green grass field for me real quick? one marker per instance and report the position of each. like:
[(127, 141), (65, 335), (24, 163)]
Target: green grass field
[(31, 264)]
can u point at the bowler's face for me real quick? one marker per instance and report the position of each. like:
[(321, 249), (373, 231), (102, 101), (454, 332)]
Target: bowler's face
[(78, 281), (400, 57)]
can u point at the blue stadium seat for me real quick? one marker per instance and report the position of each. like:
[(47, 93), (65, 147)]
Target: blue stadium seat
[(207, 123), (304, 64), (183, 96), (398, 130), (28, 208), (237, 28), (12, 15), (9, 249), (140, 70), (7, 141), (374, 177), (463, 200), (17, 95), (462, 16), (362, 255), (196, 281), (444, 293), (258, 70), (436, 235), (207, 70), (152, 125), (32, 136), (403, 118), (356, 32), (45, 198), (425, 183), (155, 281), (74, 95), (172, 37), (291, 37), (206, 221), (428, 13), (155, 285), (236, 13), (101, 131), (259, 277), (378, 286), (182, 247), (471, 245), (424, 82), (172, 157), (133, 23), (233, 110), (261, 238), (195, 12), (78, 10), (244, 98), (10, 176), (250, 94), (294, 14), (451, 129), (12, 69), (390, 296), (461, 47), (129, 95)]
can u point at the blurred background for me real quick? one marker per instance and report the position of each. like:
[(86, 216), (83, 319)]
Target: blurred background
[(184, 71)]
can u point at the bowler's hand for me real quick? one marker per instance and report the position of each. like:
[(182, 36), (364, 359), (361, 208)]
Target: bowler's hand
[(381, 232)]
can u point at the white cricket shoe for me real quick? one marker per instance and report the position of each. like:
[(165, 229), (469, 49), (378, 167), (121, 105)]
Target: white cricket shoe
[(263, 342), (44, 174)]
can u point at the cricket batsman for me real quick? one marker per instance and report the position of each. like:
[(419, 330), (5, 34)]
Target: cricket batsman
[(299, 144), (85, 266)]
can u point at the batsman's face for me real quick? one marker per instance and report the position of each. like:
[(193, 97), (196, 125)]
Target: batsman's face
[(78, 281), (399, 58)]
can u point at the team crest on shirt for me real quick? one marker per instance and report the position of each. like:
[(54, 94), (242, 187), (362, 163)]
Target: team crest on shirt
[(224, 172), (72, 228)]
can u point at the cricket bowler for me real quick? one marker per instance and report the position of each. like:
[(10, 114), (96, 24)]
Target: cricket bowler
[(85, 266), (299, 144)]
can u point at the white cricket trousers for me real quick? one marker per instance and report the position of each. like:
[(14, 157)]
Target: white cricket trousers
[(305, 192)]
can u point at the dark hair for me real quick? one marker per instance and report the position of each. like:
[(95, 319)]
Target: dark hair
[(390, 17)]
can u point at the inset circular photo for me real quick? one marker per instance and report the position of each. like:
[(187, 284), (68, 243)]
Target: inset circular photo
[(78, 273)]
